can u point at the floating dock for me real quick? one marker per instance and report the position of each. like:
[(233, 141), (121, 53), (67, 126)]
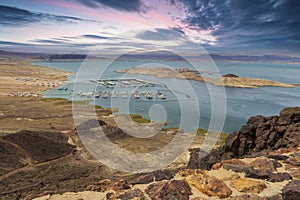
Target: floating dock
[(114, 82)]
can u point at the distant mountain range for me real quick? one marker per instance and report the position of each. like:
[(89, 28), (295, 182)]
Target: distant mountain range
[(266, 58), (158, 55)]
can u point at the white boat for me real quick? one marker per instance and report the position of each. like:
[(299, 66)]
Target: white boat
[(148, 96), (136, 96), (114, 95), (162, 96), (97, 95), (124, 95)]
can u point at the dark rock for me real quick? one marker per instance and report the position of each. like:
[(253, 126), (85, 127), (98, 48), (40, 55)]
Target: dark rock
[(279, 177), (257, 174), (237, 167), (153, 176), (173, 190), (230, 75), (206, 162), (132, 194), (260, 136), (267, 133), (110, 196), (293, 161), (277, 164), (194, 162), (291, 191), (289, 115)]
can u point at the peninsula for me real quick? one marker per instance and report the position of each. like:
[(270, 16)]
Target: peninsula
[(229, 80)]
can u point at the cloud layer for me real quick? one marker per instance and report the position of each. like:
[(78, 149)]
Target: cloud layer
[(244, 23), (124, 5), (13, 16)]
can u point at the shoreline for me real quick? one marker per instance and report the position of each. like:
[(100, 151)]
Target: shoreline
[(27, 80)]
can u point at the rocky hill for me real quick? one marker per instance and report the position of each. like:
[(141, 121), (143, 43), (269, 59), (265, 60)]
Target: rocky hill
[(229, 80), (261, 161)]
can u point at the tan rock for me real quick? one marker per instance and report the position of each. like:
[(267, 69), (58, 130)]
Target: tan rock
[(209, 185), (248, 185), (224, 175)]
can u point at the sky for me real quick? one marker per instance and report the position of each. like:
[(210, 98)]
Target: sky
[(259, 27)]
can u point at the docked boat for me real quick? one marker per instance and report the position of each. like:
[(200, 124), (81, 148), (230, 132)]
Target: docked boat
[(148, 96), (114, 94), (161, 96), (124, 95), (136, 95)]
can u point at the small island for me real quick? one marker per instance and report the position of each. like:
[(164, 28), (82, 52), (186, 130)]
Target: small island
[(228, 80)]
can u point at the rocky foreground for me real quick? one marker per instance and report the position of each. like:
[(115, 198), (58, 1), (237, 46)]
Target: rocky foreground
[(226, 80), (261, 161)]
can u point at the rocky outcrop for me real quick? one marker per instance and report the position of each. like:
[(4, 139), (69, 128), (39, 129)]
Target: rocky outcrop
[(260, 136)]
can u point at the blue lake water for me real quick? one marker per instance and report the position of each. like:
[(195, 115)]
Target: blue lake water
[(240, 103)]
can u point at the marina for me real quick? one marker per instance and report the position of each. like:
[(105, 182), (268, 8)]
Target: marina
[(137, 89), (125, 82)]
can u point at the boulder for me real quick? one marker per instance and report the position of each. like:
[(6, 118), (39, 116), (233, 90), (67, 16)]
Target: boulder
[(291, 191), (175, 189), (248, 185), (279, 177), (263, 164), (209, 185), (257, 174), (237, 167)]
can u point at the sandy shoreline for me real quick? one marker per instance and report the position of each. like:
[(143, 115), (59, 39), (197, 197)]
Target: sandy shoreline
[(25, 80)]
